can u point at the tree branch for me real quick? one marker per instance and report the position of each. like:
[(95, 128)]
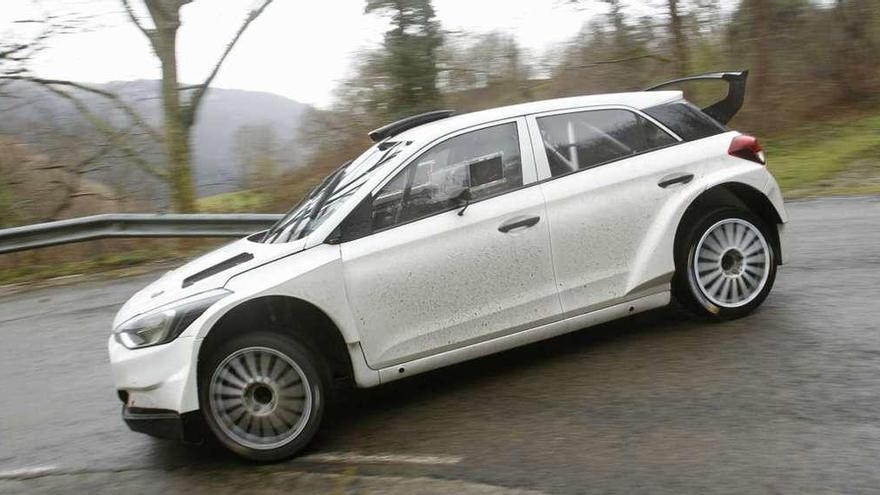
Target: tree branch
[(133, 114), (104, 127), (8, 53), (201, 89), (80, 166), (617, 61), (134, 20), (79, 169)]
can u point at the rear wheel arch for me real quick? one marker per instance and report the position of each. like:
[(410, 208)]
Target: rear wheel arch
[(738, 195), (287, 315)]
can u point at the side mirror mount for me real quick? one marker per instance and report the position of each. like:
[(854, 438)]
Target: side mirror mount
[(357, 224), (463, 198)]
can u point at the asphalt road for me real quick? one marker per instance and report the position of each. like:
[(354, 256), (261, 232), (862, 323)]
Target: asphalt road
[(784, 401)]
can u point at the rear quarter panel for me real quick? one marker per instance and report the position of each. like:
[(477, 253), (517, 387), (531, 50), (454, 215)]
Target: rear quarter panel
[(654, 259)]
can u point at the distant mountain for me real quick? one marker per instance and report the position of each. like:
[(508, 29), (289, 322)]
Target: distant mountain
[(222, 113)]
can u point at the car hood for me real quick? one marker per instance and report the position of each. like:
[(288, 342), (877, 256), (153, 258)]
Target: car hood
[(209, 271)]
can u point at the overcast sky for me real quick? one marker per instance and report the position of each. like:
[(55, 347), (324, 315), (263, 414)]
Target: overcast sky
[(298, 48)]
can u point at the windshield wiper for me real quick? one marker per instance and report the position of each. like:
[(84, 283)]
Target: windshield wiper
[(334, 179), (352, 183), (286, 220), (328, 193)]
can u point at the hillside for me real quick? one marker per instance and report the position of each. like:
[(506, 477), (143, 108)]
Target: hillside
[(223, 112)]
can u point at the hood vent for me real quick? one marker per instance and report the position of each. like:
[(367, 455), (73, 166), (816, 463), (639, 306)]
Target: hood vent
[(219, 267)]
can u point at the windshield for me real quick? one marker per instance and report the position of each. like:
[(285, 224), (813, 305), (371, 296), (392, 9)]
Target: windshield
[(332, 192)]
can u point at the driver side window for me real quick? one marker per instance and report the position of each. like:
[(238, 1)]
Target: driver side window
[(486, 161)]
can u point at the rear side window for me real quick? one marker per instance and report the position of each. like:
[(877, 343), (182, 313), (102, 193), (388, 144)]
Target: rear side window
[(686, 120), (580, 140)]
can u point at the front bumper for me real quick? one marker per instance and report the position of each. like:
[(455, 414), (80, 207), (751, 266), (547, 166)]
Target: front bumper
[(162, 377), (162, 423)]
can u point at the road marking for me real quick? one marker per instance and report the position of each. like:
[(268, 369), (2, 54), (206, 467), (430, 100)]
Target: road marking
[(28, 472), (322, 457), (355, 458)]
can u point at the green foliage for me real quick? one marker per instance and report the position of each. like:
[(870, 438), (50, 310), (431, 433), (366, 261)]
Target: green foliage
[(247, 201), (409, 61), (829, 157), (810, 62), (28, 272), (7, 216)]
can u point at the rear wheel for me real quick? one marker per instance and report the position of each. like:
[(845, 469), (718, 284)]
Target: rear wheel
[(262, 395), (725, 264)]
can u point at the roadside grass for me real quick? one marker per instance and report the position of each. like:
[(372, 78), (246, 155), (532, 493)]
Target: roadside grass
[(246, 201), (837, 157), (109, 262)]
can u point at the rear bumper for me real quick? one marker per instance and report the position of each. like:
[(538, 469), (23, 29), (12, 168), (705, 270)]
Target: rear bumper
[(163, 423)]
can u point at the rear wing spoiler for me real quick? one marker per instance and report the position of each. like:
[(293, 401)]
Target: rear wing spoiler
[(722, 110)]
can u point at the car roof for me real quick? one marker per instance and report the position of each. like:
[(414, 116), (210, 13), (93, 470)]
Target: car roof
[(439, 128)]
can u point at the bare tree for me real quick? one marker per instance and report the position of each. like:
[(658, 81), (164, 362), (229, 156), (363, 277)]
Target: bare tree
[(679, 43), (180, 103), (760, 21), (855, 49)]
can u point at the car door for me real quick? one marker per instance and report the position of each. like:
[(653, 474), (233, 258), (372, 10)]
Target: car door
[(606, 173), (432, 275)]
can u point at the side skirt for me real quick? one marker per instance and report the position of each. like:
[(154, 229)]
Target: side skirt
[(524, 337)]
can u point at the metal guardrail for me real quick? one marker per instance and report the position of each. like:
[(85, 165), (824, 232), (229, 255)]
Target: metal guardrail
[(132, 225)]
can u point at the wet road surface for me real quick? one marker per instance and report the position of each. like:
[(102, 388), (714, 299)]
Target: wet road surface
[(784, 401)]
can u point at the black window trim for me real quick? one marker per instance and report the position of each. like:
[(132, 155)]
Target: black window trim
[(533, 118), (686, 102)]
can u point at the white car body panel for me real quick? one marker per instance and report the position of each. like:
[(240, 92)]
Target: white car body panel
[(448, 288), (524, 337), (450, 279), (161, 377), (447, 280), (170, 287)]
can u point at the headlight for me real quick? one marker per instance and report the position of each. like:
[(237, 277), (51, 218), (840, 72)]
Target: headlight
[(164, 324)]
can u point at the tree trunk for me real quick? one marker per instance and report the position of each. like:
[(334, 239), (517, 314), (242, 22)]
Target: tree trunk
[(681, 54), (177, 124), (180, 167), (760, 25), (854, 54)]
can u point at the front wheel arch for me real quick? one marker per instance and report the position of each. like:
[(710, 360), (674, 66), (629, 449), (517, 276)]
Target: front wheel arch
[(287, 315)]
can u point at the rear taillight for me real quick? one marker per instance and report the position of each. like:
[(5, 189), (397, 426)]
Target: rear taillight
[(747, 148)]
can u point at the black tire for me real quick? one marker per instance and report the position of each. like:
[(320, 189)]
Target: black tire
[(278, 346), (689, 293)]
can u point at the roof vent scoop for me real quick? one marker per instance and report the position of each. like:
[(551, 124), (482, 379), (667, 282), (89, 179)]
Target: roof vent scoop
[(407, 123)]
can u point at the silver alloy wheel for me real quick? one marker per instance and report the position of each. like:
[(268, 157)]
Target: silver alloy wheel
[(731, 263), (260, 398)]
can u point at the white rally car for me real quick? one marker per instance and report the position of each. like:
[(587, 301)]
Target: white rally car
[(453, 237)]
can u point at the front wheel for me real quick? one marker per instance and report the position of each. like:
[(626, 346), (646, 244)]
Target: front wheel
[(262, 395), (725, 264)]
